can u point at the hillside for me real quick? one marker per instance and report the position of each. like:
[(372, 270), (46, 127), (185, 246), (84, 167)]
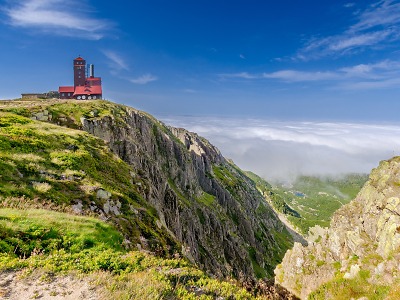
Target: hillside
[(165, 190), (358, 255), (52, 255), (310, 200)]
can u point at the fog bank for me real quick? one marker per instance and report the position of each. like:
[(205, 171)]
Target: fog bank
[(280, 151)]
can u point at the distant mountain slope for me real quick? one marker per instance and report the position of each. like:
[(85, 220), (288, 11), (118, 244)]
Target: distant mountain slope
[(166, 190), (311, 200), (358, 256)]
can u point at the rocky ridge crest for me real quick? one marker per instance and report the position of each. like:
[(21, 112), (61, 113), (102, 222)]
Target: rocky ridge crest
[(360, 248), (204, 201)]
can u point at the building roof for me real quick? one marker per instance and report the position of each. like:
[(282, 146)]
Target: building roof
[(66, 89), (88, 90), (79, 58), (93, 78)]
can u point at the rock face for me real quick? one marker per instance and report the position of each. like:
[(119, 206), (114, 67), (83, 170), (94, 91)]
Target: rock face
[(204, 201), (194, 198), (362, 242)]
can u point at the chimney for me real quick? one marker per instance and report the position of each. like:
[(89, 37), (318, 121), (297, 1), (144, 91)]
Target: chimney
[(91, 71)]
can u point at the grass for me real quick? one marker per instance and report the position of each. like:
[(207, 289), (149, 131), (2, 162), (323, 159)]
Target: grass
[(258, 270), (226, 177), (23, 232), (356, 288), (206, 199), (60, 243), (45, 165), (45, 153)]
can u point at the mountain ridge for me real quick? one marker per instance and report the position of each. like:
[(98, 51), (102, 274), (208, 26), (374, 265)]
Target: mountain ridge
[(198, 201), (358, 255)]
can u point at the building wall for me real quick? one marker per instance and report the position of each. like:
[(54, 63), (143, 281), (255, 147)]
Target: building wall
[(66, 95), (79, 72)]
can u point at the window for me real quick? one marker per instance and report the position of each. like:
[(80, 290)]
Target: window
[(62, 94)]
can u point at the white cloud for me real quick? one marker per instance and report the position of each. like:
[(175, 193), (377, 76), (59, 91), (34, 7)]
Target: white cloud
[(381, 13), (359, 40), (284, 150), (243, 75), (117, 64), (144, 79), (190, 91), (242, 56), (350, 4), (377, 25), (56, 17), (295, 76), (382, 74), (116, 61), (377, 84)]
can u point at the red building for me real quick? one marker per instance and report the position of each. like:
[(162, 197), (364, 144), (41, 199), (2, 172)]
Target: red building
[(86, 86)]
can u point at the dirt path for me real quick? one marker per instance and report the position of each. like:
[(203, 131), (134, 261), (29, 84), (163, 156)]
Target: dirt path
[(297, 237), (44, 286)]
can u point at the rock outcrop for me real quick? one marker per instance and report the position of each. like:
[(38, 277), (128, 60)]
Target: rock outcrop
[(360, 248), (207, 203), (186, 193)]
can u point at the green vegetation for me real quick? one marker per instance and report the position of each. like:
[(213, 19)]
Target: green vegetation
[(58, 243), (206, 199), (23, 232), (275, 199), (45, 165), (65, 159), (258, 270), (310, 201), (226, 177), (283, 240), (184, 200), (355, 288), (316, 199)]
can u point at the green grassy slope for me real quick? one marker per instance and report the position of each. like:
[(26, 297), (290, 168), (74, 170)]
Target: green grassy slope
[(44, 165), (58, 243)]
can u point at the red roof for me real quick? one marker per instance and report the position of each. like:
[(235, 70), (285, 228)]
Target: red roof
[(88, 90), (79, 58), (66, 89)]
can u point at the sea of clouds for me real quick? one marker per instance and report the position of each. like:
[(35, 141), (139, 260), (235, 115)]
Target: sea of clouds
[(280, 151)]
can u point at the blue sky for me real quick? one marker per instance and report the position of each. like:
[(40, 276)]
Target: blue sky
[(285, 60), (281, 87)]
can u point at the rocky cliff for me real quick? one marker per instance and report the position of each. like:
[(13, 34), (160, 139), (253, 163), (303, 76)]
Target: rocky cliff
[(195, 197), (358, 255)]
